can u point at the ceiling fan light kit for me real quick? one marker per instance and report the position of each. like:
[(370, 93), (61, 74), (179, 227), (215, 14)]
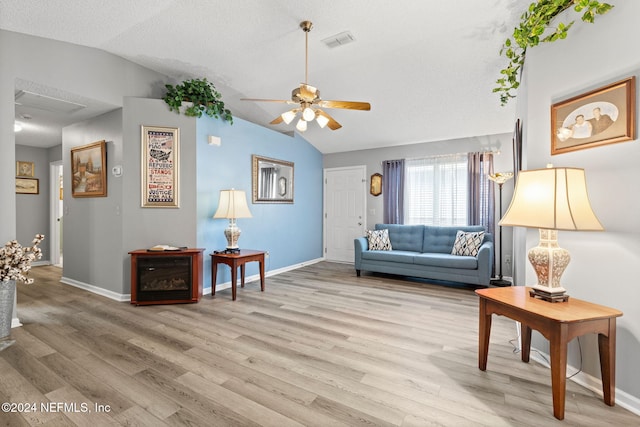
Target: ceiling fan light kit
[(308, 99)]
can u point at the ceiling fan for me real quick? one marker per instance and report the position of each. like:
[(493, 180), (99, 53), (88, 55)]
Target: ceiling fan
[(307, 98)]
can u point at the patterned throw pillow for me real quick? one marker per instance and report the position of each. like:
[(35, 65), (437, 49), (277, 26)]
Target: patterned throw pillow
[(467, 243), (379, 240)]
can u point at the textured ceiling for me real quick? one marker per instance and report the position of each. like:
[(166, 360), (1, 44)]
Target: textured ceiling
[(426, 66)]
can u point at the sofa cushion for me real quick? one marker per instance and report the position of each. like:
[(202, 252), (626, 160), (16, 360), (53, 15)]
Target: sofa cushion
[(405, 237), (379, 240), (467, 243), (440, 239), (446, 260), (393, 256)]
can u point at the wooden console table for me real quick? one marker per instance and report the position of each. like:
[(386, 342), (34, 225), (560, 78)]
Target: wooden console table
[(235, 260), (559, 322)]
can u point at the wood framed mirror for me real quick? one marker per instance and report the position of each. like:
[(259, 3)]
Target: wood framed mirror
[(272, 180)]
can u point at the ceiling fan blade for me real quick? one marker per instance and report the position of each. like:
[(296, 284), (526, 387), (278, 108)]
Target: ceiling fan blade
[(333, 125), (283, 101), (349, 105), (276, 121)]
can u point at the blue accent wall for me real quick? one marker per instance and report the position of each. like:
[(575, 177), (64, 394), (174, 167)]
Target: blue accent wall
[(292, 233)]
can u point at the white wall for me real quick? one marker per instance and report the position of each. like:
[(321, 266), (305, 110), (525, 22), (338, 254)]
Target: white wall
[(604, 265)]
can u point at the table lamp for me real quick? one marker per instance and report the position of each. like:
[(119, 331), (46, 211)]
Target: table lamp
[(500, 178), (232, 205), (551, 199)]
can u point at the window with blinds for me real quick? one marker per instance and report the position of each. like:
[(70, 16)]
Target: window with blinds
[(436, 190)]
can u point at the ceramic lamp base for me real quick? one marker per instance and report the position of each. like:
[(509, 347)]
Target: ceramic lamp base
[(232, 233)]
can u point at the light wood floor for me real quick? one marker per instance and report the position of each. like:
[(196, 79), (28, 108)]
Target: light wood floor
[(320, 347)]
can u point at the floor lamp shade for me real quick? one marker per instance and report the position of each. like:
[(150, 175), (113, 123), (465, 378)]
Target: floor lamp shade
[(232, 205), (551, 199)]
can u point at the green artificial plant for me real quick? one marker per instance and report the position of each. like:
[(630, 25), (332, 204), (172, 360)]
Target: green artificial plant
[(203, 96), (534, 23)]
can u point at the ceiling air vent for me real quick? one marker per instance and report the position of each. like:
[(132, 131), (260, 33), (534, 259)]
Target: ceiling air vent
[(48, 103), (339, 39)]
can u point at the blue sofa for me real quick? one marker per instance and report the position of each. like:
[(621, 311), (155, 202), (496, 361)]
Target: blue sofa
[(425, 251)]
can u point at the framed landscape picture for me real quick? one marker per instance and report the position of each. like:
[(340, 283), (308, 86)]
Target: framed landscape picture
[(599, 117), (27, 186), (160, 167), (89, 170)]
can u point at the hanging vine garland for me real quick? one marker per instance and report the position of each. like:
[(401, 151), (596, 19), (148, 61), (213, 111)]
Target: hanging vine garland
[(534, 23)]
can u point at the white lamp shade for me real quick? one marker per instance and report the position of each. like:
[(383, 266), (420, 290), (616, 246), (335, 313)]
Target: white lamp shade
[(500, 177), (552, 198), (322, 121), (232, 204), (288, 116), (302, 125), (308, 114)]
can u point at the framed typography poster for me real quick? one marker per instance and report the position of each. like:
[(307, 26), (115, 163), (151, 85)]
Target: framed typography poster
[(160, 167)]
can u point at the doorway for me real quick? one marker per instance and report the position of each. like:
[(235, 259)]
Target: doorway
[(345, 203), (56, 216)]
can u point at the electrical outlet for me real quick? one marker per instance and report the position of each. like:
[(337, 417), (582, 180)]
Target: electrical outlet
[(266, 255), (507, 259)]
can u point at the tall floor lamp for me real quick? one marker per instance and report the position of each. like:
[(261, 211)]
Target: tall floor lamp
[(500, 178)]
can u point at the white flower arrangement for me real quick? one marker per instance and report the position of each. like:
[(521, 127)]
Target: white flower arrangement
[(15, 260)]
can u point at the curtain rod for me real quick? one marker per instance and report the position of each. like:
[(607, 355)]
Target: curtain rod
[(445, 155)]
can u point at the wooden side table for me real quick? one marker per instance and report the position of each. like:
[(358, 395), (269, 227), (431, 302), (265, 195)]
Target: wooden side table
[(235, 260), (559, 322)]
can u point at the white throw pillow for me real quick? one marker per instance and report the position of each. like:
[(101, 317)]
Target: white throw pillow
[(467, 243), (379, 240)]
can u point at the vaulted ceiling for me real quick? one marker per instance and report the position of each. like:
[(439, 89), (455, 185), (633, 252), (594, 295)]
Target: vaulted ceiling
[(426, 66)]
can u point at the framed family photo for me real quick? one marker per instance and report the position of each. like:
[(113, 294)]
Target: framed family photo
[(599, 117), (89, 170), (160, 167)]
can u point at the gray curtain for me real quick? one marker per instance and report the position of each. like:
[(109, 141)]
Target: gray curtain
[(393, 191), (268, 183), (481, 191)]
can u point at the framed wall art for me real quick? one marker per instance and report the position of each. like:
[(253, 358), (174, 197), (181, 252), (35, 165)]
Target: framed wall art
[(89, 170), (27, 186), (160, 167), (599, 117), (25, 169)]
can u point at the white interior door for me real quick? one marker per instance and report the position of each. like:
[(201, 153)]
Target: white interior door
[(55, 215), (345, 205)]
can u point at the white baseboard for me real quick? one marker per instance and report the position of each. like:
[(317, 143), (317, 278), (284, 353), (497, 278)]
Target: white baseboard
[(206, 291), (625, 400), (227, 285), (96, 290)]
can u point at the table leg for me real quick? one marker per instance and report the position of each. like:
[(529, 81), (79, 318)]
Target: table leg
[(234, 279), (526, 342), (242, 274), (214, 276), (261, 262), (483, 333), (558, 348), (607, 348)]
